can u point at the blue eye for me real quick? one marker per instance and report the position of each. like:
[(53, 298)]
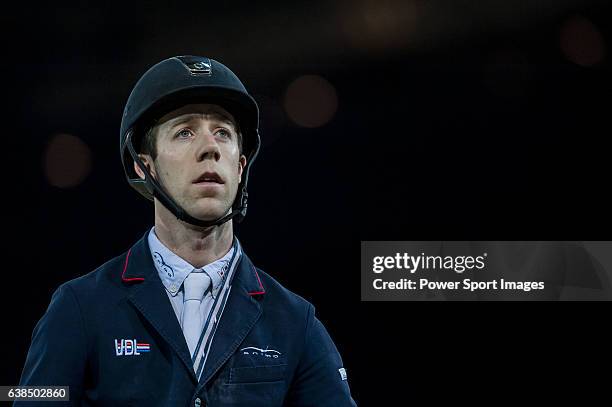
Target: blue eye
[(183, 133), (224, 133)]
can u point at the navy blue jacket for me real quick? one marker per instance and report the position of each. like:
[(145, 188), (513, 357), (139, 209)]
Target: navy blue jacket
[(87, 340)]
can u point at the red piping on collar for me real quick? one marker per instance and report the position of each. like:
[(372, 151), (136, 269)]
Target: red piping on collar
[(127, 258), (260, 285)]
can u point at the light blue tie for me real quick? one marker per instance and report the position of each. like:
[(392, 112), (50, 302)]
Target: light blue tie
[(196, 284)]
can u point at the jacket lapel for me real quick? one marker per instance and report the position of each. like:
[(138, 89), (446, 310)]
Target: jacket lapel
[(241, 312), (147, 293)]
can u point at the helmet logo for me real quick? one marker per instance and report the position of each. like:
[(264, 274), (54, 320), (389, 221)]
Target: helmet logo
[(197, 65)]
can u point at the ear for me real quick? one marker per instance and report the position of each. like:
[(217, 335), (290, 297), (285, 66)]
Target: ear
[(148, 162), (241, 164)]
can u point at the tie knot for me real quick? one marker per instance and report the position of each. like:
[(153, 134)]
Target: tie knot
[(196, 285)]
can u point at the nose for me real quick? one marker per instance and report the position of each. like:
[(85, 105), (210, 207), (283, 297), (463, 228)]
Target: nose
[(208, 147)]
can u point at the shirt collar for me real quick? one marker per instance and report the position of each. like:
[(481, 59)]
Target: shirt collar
[(173, 270)]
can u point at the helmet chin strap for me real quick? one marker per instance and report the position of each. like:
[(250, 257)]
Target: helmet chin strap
[(155, 189), (182, 214)]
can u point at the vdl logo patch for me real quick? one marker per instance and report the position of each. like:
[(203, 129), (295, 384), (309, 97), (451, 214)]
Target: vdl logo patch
[(130, 347)]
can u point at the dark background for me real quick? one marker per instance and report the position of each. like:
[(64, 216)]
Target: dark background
[(466, 120)]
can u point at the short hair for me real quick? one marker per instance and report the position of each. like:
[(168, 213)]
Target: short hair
[(149, 141)]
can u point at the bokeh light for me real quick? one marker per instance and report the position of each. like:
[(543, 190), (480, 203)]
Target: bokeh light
[(310, 101), (67, 161), (581, 42), (380, 24)]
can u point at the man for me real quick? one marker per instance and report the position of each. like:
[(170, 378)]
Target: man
[(183, 318)]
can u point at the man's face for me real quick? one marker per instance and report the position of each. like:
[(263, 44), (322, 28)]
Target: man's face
[(198, 159)]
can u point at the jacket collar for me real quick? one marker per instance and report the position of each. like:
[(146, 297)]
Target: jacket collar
[(147, 293), (138, 266)]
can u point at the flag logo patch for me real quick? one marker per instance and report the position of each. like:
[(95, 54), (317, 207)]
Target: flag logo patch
[(130, 347)]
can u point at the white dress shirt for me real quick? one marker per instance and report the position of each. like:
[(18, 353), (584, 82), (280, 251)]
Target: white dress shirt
[(173, 270)]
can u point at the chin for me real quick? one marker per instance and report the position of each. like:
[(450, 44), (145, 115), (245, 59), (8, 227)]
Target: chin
[(209, 211)]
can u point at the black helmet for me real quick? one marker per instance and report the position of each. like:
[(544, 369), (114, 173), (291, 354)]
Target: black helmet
[(173, 83)]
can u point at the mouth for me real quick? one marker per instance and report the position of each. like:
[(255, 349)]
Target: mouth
[(209, 178)]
